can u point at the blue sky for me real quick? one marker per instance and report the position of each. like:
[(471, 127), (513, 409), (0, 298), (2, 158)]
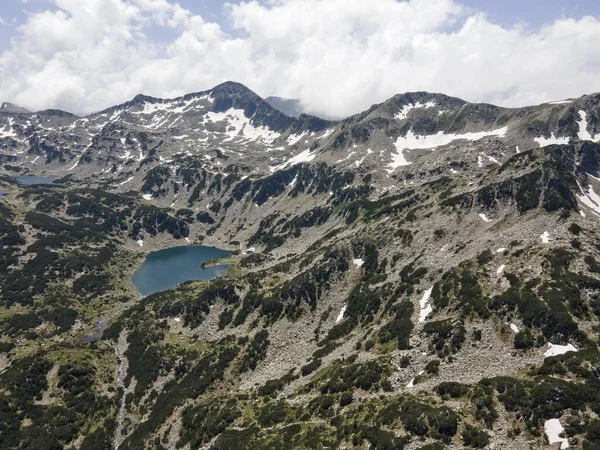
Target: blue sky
[(337, 56), (533, 12)]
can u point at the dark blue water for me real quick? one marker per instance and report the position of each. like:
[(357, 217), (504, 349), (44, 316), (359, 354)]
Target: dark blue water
[(33, 179), (165, 269), (2, 194)]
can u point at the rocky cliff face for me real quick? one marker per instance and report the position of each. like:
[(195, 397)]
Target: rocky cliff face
[(422, 275)]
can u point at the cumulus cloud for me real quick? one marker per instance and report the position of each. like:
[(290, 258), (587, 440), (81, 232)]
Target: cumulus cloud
[(337, 56)]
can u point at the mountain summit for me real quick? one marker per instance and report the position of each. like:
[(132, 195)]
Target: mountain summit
[(13, 109)]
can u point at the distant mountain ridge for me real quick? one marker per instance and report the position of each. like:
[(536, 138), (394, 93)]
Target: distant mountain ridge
[(401, 134)]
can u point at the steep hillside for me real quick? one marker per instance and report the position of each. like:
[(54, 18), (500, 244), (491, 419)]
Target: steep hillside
[(423, 275)]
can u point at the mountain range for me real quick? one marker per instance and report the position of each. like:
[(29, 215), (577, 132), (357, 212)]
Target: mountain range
[(422, 275)]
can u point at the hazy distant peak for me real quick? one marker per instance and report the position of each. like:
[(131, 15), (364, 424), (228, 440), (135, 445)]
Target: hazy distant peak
[(13, 109)]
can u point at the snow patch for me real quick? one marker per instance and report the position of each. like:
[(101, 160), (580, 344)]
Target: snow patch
[(426, 307), (501, 250), (293, 139), (305, 156), (554, 350), (240, 126), (403, 114), (140, 242), (501, 269), (553, 429), (545, 237), (7, 131), (341, 314), (126, 181), (411, 383), (147, 196), (74, 165), (583, 133), (358, 262), (414, 142), (492, 159), (552, 140), (560, 102), (327, 133), (484, 218), (514, 328), (590, 199)]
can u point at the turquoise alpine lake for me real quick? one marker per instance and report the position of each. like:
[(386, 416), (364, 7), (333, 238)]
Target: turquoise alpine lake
[(165, 269), (33, 179)]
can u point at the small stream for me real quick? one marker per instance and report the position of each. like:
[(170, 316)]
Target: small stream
[(120, 385)]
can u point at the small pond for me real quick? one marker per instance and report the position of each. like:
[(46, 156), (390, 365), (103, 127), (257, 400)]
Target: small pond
[(167, 268), (34, 179)]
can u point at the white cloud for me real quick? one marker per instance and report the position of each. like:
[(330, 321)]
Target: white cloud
[(337, 56)]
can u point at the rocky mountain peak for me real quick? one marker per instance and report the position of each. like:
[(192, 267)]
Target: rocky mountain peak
[(13, 109)]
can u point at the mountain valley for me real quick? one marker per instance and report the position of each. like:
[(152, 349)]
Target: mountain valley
[(422, 275)]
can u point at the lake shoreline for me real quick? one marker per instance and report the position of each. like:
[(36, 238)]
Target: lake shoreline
[(167, 268)]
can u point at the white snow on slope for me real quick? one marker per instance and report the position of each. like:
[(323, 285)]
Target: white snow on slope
[(411, 383), (584, 134), (358, 262), (140, 242), (492, 159), (500, 269), (293, 139), (240, 126), (74, 165), (545, 237), (126, 181), (554, 350), (147, 196), (514, 327), (341, 314), (553, 429), (403, 114), (305, 156), (552, 140), (358, 162), (560, 102), (484, 218), (7, 132), (590, 199), (327, 133), (501, 250), (426, 307), (174, 107), (413, 142)]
